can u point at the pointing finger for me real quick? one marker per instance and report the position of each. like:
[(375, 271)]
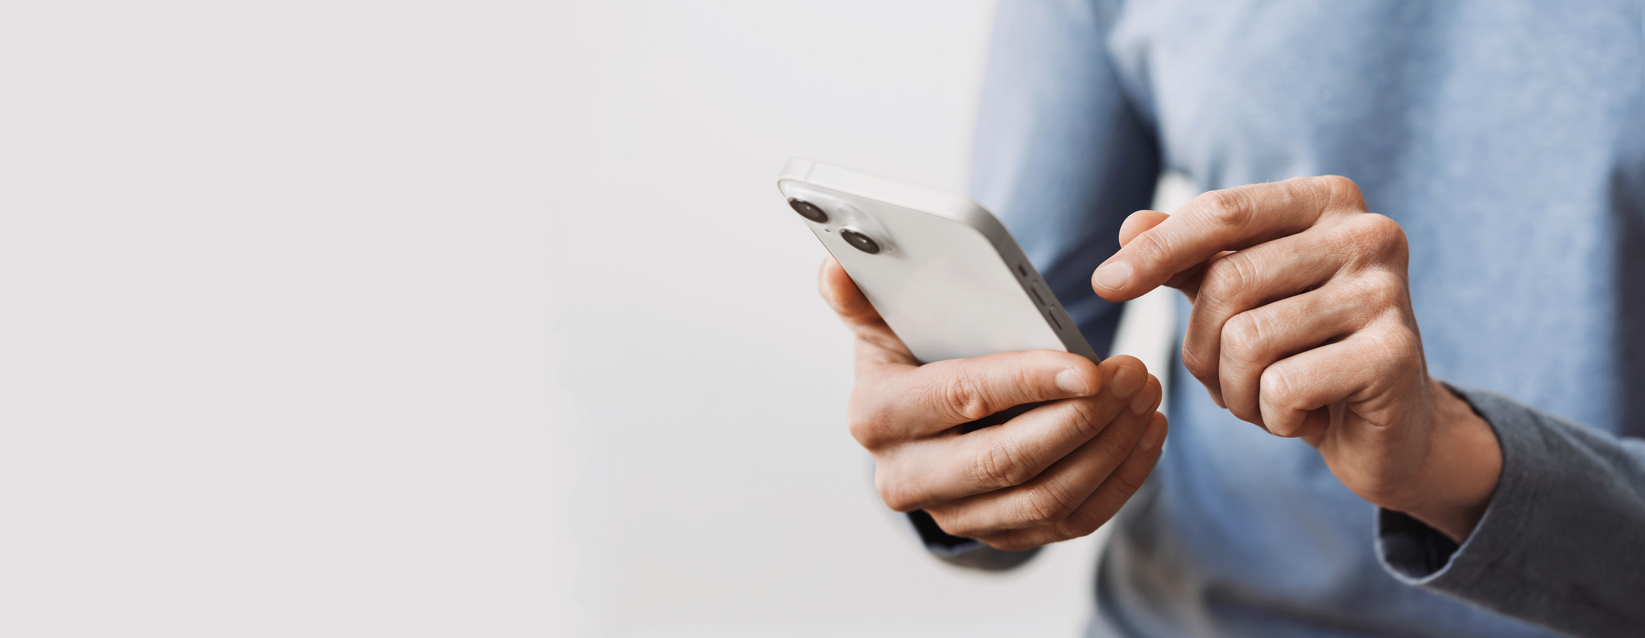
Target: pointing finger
[(1212, 223)]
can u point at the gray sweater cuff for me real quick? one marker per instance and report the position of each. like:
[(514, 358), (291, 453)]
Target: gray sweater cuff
[(1562, 543)]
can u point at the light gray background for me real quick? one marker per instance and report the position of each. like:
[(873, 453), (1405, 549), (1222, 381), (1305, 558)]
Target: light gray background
[(460, 319)]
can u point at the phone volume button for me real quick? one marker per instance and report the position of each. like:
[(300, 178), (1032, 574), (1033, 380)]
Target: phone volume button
[(1034, 289)]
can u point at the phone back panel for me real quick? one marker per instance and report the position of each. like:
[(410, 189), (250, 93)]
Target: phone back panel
[(948, 279)]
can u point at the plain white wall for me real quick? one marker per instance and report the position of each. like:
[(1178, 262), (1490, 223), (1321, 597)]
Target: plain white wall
[(459, 319), (273, 320)]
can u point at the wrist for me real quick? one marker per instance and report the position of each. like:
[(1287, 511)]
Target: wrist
[(1461, 472)]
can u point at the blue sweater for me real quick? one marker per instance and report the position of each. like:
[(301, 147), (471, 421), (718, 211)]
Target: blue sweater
[(1508, 138)]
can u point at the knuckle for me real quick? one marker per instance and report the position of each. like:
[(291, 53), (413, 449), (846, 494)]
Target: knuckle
[(1388, 233), (861, 432), (894, 495), (1148, 246), (1390, 353), (1113, 453), (1087, 417), (1340, 192), (1403, 346), (1381, 226), (1341, 186), (999, 466), (865, 420), (1242, 335), (900, 501), (1379, 237), (862, 428), (1224, 280), (1131, 482), (1277, 389), (964, 397), (1389, 357), (1365, 300), (1044, 504), (1410, 343), (895, 491), (1076, 527), (1200, 362), (1337, 181), (1226, 208), (1380, 290)]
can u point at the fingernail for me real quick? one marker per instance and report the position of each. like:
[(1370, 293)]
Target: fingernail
[(1152, 436), (1127, 380), (1071, 382), (1141, 404), (1114, 275)]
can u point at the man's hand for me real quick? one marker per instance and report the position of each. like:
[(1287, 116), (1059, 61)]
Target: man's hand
[(1302, 324), (1055, 472)]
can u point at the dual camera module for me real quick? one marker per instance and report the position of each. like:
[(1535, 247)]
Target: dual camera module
[(857, 240)]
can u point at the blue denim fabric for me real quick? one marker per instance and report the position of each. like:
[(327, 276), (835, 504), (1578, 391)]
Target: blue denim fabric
[(1508, 139)]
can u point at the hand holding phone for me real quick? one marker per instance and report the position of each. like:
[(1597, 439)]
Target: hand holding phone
[(957, 332), (1055, 472)]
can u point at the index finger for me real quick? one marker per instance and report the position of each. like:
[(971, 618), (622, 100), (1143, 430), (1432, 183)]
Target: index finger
[(876, 343), (845, 298), (1214, 222)]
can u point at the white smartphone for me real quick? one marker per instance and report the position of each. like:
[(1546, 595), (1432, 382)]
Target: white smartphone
[(943, 272)]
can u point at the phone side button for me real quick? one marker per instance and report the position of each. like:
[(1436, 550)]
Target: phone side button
[(1051, 313)]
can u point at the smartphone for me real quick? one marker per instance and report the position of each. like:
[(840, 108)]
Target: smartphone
[(943, 272)]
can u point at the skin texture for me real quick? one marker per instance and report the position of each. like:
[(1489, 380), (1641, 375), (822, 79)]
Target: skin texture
[(1055, 472), (1302, 324)]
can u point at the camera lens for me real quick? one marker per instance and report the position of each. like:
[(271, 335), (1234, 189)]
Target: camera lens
[(809, 210), (860, 241)]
